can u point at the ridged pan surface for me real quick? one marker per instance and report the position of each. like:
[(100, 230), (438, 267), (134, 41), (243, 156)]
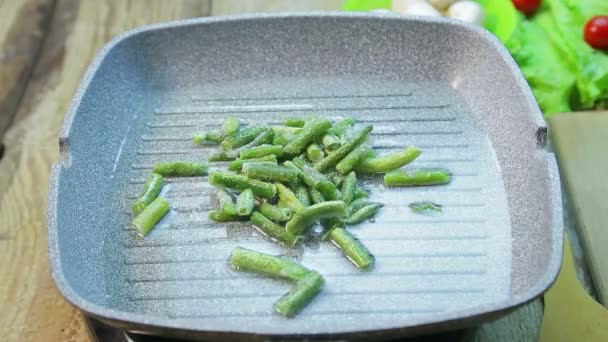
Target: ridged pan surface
[(428, 268)]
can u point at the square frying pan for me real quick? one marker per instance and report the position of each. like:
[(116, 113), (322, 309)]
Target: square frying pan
[(447, 87)]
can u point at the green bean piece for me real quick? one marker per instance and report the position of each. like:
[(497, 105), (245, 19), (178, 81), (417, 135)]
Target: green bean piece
[(314, 152), (315, 179), (334, 158), (306, 178), (295, 122), (275, 213), (286, 130), (222, 216), (180, 169), (331, 142), (238, 164), (389, 162), (282, 138), (329, 225), (336, 177), (361, 193), (213, 137), (352, 248), (238, 182), (348, 188), (341, 127), (231, 126), (245, 203), (199, 139), (315, 196), (358, 204), (152, 189), (304, 291), (363, 214), (269, 172), (151, 215), (306, 136), (246, 260), (242, 137), (226, 202), (302, 194), (287, 199), (223, 156), (352, 159), (261, 151), (302, 221), (265, 137), (273, 230), (426, 208), (419, 177)]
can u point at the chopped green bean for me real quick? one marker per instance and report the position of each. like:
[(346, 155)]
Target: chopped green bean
[(275, 213), (307, 135), (368, 211), (286, 130), (306, 178), (226, 202), (358, 204), (199, 139), (265, 137), (245, 203), (295, 122), (269, 172), (287, 199), (315, 196), (331, 142), (152, 189), (300, 295), (213, 137), (151, 215), (223, 156), (302, 221), (238, 182), (282, 138), (273, 230), (222, 216), (348, 188), (251, 261), (329, 225), (302, 194), (334, 158), (361, 193), (261, 151), (180, 169), (352, 159), (242, 137), (336, 177), (389, 162), (420, 177), (238, 164), (231, 126), (426, 208), (314, 152), (341, 127), (315, 179), (352, 248)]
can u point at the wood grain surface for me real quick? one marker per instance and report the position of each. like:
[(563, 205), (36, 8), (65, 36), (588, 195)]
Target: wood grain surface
[(23, 27), (32, 309), (581, 143)]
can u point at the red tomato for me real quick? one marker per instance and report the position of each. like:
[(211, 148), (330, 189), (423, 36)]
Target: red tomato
[(596, 32), (528, 7)]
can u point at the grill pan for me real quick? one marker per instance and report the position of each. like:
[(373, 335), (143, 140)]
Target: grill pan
[(447, 87)]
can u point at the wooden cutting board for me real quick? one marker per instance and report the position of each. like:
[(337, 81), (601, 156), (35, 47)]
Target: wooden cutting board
[(581, 143)]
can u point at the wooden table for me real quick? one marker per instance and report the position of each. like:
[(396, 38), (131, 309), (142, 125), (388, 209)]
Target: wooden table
[(45, 47)]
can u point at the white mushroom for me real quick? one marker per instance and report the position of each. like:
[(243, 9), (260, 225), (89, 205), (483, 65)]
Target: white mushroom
[(468, 11), (442, 5), (415, 7)]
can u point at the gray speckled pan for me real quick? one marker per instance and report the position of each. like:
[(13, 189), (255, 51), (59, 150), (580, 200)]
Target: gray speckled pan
[(449, 88)]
